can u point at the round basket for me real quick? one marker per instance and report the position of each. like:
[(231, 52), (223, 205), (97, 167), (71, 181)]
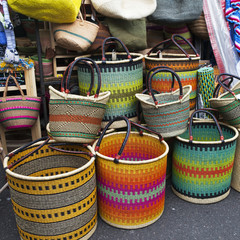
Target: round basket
[(131, 191), (53, 190), (203, 163)]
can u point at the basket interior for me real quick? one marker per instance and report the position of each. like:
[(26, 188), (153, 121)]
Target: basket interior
[(138, 148), (118, 57), (207, 132), (49, 162)]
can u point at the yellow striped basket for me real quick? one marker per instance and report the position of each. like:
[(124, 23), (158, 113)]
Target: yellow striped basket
[(53, 190)]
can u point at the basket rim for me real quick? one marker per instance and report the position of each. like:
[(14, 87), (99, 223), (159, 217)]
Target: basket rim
[(48, 178), (211, 142), (132, 162), (178, 57), (138, 56)]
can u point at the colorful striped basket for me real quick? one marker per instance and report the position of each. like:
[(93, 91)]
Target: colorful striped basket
[(122, 75), (131, 181), (166, 113), (203, 161), (228, 104), (18, 111), (76, 118), (185, 65), (53, 190)]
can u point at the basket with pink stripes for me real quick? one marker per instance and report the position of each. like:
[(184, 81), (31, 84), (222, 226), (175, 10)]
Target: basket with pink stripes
[(18, 111)]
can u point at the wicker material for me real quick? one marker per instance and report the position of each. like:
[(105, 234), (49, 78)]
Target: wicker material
[(123, 77), (76, 118), (228, 104), (78, 35), (184, 65), (166, 113), (202, 168), (131, 191), (53, 193), (18, 111)]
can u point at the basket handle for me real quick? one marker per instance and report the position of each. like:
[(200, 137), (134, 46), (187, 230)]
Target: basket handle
[(155, 68), (6, 88), (53, 146), (174, 36), (169, 41), (85, 60), (118, 40), (173, 75), (218, 87), (214, 118), (129, 123), (224, 86), (46, 139)]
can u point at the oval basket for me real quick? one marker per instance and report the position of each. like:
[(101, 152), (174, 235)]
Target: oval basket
[(53, 192)]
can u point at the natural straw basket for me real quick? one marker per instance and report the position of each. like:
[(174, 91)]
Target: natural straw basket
[(203, 161), (53, 190), (131, 182)]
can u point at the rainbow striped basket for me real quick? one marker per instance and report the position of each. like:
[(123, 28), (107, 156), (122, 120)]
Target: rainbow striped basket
[(18, 111), (122, 75), (53, 190), (185, 65), (131, 182), (202, 163)]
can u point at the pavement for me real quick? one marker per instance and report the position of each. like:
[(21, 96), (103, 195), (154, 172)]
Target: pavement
[(181, 220)]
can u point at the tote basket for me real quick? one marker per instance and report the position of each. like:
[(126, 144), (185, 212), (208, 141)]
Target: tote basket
[(185, 65), (53, 190), (18, 111), (78, 35), (166, 113), (122, 75), (228, 104), (203, 161), (76, 118), (131, 182)]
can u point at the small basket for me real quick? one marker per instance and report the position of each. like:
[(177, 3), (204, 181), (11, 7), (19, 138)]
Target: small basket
[(131, 182), (53, 190)]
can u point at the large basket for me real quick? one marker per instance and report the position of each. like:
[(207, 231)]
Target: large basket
[(185, 65), (122, 75), (203, 163), (53, 190), (131, 191)]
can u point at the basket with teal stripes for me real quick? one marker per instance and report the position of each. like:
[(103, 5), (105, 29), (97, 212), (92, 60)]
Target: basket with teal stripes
[(203, 160), (228, 104), (122, 75)]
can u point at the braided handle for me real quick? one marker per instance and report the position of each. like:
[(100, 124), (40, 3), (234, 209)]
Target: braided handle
[(214, 118), (118, 40)]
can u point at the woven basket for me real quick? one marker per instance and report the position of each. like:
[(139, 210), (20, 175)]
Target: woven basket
[(122, 75), (53, 190), (76, 118), (18, 111), (202, 163), (228, 104), (185, 65), (131, 191), (166, 113)]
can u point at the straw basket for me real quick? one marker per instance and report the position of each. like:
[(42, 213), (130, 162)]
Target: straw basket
[(202, 163), (53, 190), (122, 75), (185, 65), (131, 191)]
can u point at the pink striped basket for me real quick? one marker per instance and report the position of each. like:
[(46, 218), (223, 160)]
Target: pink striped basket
[(18, 111)]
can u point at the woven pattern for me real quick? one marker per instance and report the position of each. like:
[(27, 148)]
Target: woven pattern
[(123, 80), (206, 84), (228, 107), (186, 70), (203, 171), (55, 207), (131, 195)]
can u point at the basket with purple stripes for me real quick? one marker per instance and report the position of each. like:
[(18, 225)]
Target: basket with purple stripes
[(18, 111)]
